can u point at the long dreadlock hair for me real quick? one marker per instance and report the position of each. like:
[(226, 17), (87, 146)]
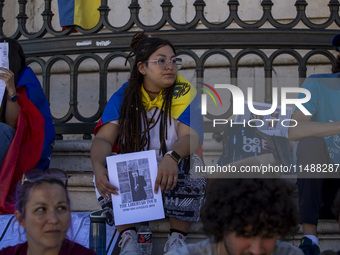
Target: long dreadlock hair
[(133, 116)]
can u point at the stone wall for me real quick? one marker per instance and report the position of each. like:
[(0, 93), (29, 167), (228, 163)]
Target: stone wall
[(217, 67)]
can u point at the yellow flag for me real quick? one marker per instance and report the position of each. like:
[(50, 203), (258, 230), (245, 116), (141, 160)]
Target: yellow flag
[(86, 14)]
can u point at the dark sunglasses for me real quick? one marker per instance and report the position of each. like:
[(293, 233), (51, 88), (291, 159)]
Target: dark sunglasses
[(34, 175)]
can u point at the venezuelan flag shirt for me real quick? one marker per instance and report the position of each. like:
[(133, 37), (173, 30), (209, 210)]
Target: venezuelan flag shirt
[(185, 108)]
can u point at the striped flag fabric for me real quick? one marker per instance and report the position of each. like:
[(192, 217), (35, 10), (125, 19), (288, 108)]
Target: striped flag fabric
[(82, 13)]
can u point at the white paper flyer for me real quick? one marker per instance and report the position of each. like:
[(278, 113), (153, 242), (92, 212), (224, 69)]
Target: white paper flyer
[(134, 174), (3, 63)]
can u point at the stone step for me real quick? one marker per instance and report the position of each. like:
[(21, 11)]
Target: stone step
[(74, 157), (329, 235), (83, 198)]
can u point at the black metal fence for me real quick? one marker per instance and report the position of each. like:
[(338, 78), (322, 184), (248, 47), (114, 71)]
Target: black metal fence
[(49, 45)]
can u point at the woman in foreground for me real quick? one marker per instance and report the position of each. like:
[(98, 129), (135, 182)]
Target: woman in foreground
[(43, 210)]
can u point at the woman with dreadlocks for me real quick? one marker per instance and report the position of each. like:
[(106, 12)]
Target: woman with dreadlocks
[(157, 109)]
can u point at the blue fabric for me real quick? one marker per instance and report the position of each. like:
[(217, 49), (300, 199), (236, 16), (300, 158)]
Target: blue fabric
[(66, 13), (324, 106), (35, 93), (112, 108), (6, 137), (191, 116)]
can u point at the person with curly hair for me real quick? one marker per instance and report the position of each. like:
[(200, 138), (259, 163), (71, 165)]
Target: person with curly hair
[(157, 109), (246, 216)]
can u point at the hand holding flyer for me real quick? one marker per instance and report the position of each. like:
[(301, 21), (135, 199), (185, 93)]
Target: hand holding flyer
[(3, 63), (135, 174)]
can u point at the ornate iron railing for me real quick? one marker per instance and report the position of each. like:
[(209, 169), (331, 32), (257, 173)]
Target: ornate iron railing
[(198, 34)]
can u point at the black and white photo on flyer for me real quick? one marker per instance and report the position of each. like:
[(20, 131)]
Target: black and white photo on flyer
[(134, 174)]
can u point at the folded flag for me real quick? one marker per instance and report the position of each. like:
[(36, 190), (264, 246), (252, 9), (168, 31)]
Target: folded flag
[(82, 13), (31, 145)]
